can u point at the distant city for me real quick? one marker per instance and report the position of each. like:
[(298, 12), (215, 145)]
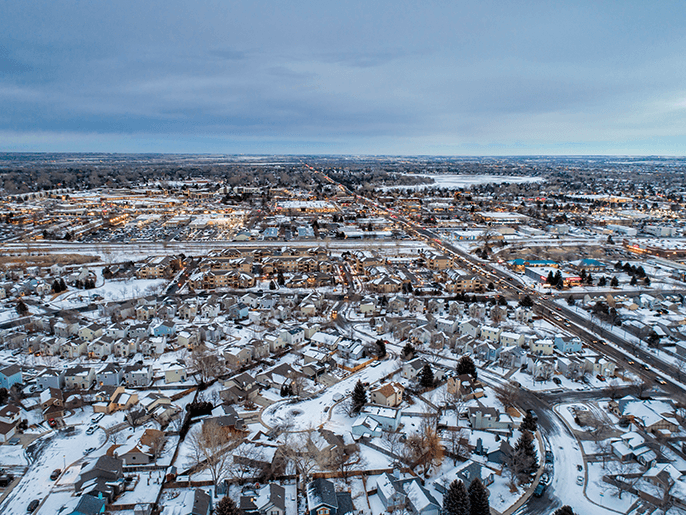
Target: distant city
[(332, 335)]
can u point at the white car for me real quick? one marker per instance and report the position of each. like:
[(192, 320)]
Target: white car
[(580, 480)]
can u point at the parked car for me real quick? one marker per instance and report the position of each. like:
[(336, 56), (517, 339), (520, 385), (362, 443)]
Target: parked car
[(88, 451), (580, 480), (55, 474), (91, 430), (33, 505), (52, 422), (97, 418)]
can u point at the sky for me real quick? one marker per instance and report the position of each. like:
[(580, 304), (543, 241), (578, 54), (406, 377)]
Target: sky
[(347, 77)]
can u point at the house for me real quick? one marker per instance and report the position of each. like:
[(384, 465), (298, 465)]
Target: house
[(651, 415), (163, 328), (322, 499), (143, 451), (390, 491), (412, 368), (175, 375), (541, 368), (508, 339), (91, 332), (111, 375), (268, 500), (465, 387), (542, 347), (9, 376), (202, 503), (50, 378), (366, 426), (389, 394), (7, 432), (420, 501), (10, 414), (470, 328), (389, 418), (293, 337), (79, 376), (567, 343), (89, 505), (465, 472), (489, 418), (138, 375), (106, 469), (122, 399), (491, 334)]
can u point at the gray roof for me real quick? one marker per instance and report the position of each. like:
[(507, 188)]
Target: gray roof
[(90, 505)]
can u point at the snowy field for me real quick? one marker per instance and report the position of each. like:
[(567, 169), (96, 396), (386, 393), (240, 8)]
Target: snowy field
[(464, 181)]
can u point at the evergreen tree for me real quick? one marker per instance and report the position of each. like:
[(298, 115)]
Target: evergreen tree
[(564, 510), (583, 275), (589, 278), (646, 281), (570, 301), (551, 278), (226, 507), (614, 282), (526, 302), (466, 366), (426, 377), (63, 285), (56, 286), (280, 278), (456, 500), (557, 280), (529, 423), (525, 454), (633, 281), (478, 498), (602, 281), (618, 265), (380, 349), (21, 308), (359, 397), (408, 351)]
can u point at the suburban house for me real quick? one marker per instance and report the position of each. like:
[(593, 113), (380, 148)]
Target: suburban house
[(389, 394), (322, 499)]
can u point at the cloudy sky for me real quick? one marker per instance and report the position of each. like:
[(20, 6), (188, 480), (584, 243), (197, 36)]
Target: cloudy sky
[(370, 77)]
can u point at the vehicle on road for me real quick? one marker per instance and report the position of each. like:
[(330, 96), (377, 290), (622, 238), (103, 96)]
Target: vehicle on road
[(88, 451), (540, 490), (580, 480), (660, 380), (548, 457), (33, 505), (55, 474), (91, 430), (579, 468)]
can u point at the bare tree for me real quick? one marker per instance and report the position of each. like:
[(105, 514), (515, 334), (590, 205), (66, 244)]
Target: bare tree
[(210, 446), (394, 443), (458, 443), (156, 445), (207, 364), (424, 447), (301, 453), (508, 395)]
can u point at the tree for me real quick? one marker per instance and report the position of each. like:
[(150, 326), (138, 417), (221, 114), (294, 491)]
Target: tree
[(63, 285), (646, 281), (226, 506), (508, 395), (570, 301), (529, 422), (564, 510), (466, 366), (408, 351), (21, 308), (359, 397), (589, 278), (478, 498), (526, 302), (424, 447), (610, 241), (456, 500), (602, 281), (210, 447), (614, 282), (426, 377), (633, 281), (550, 279), (280, 279), (525, 457), (272, 285), (380, 349), (206, 364)]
